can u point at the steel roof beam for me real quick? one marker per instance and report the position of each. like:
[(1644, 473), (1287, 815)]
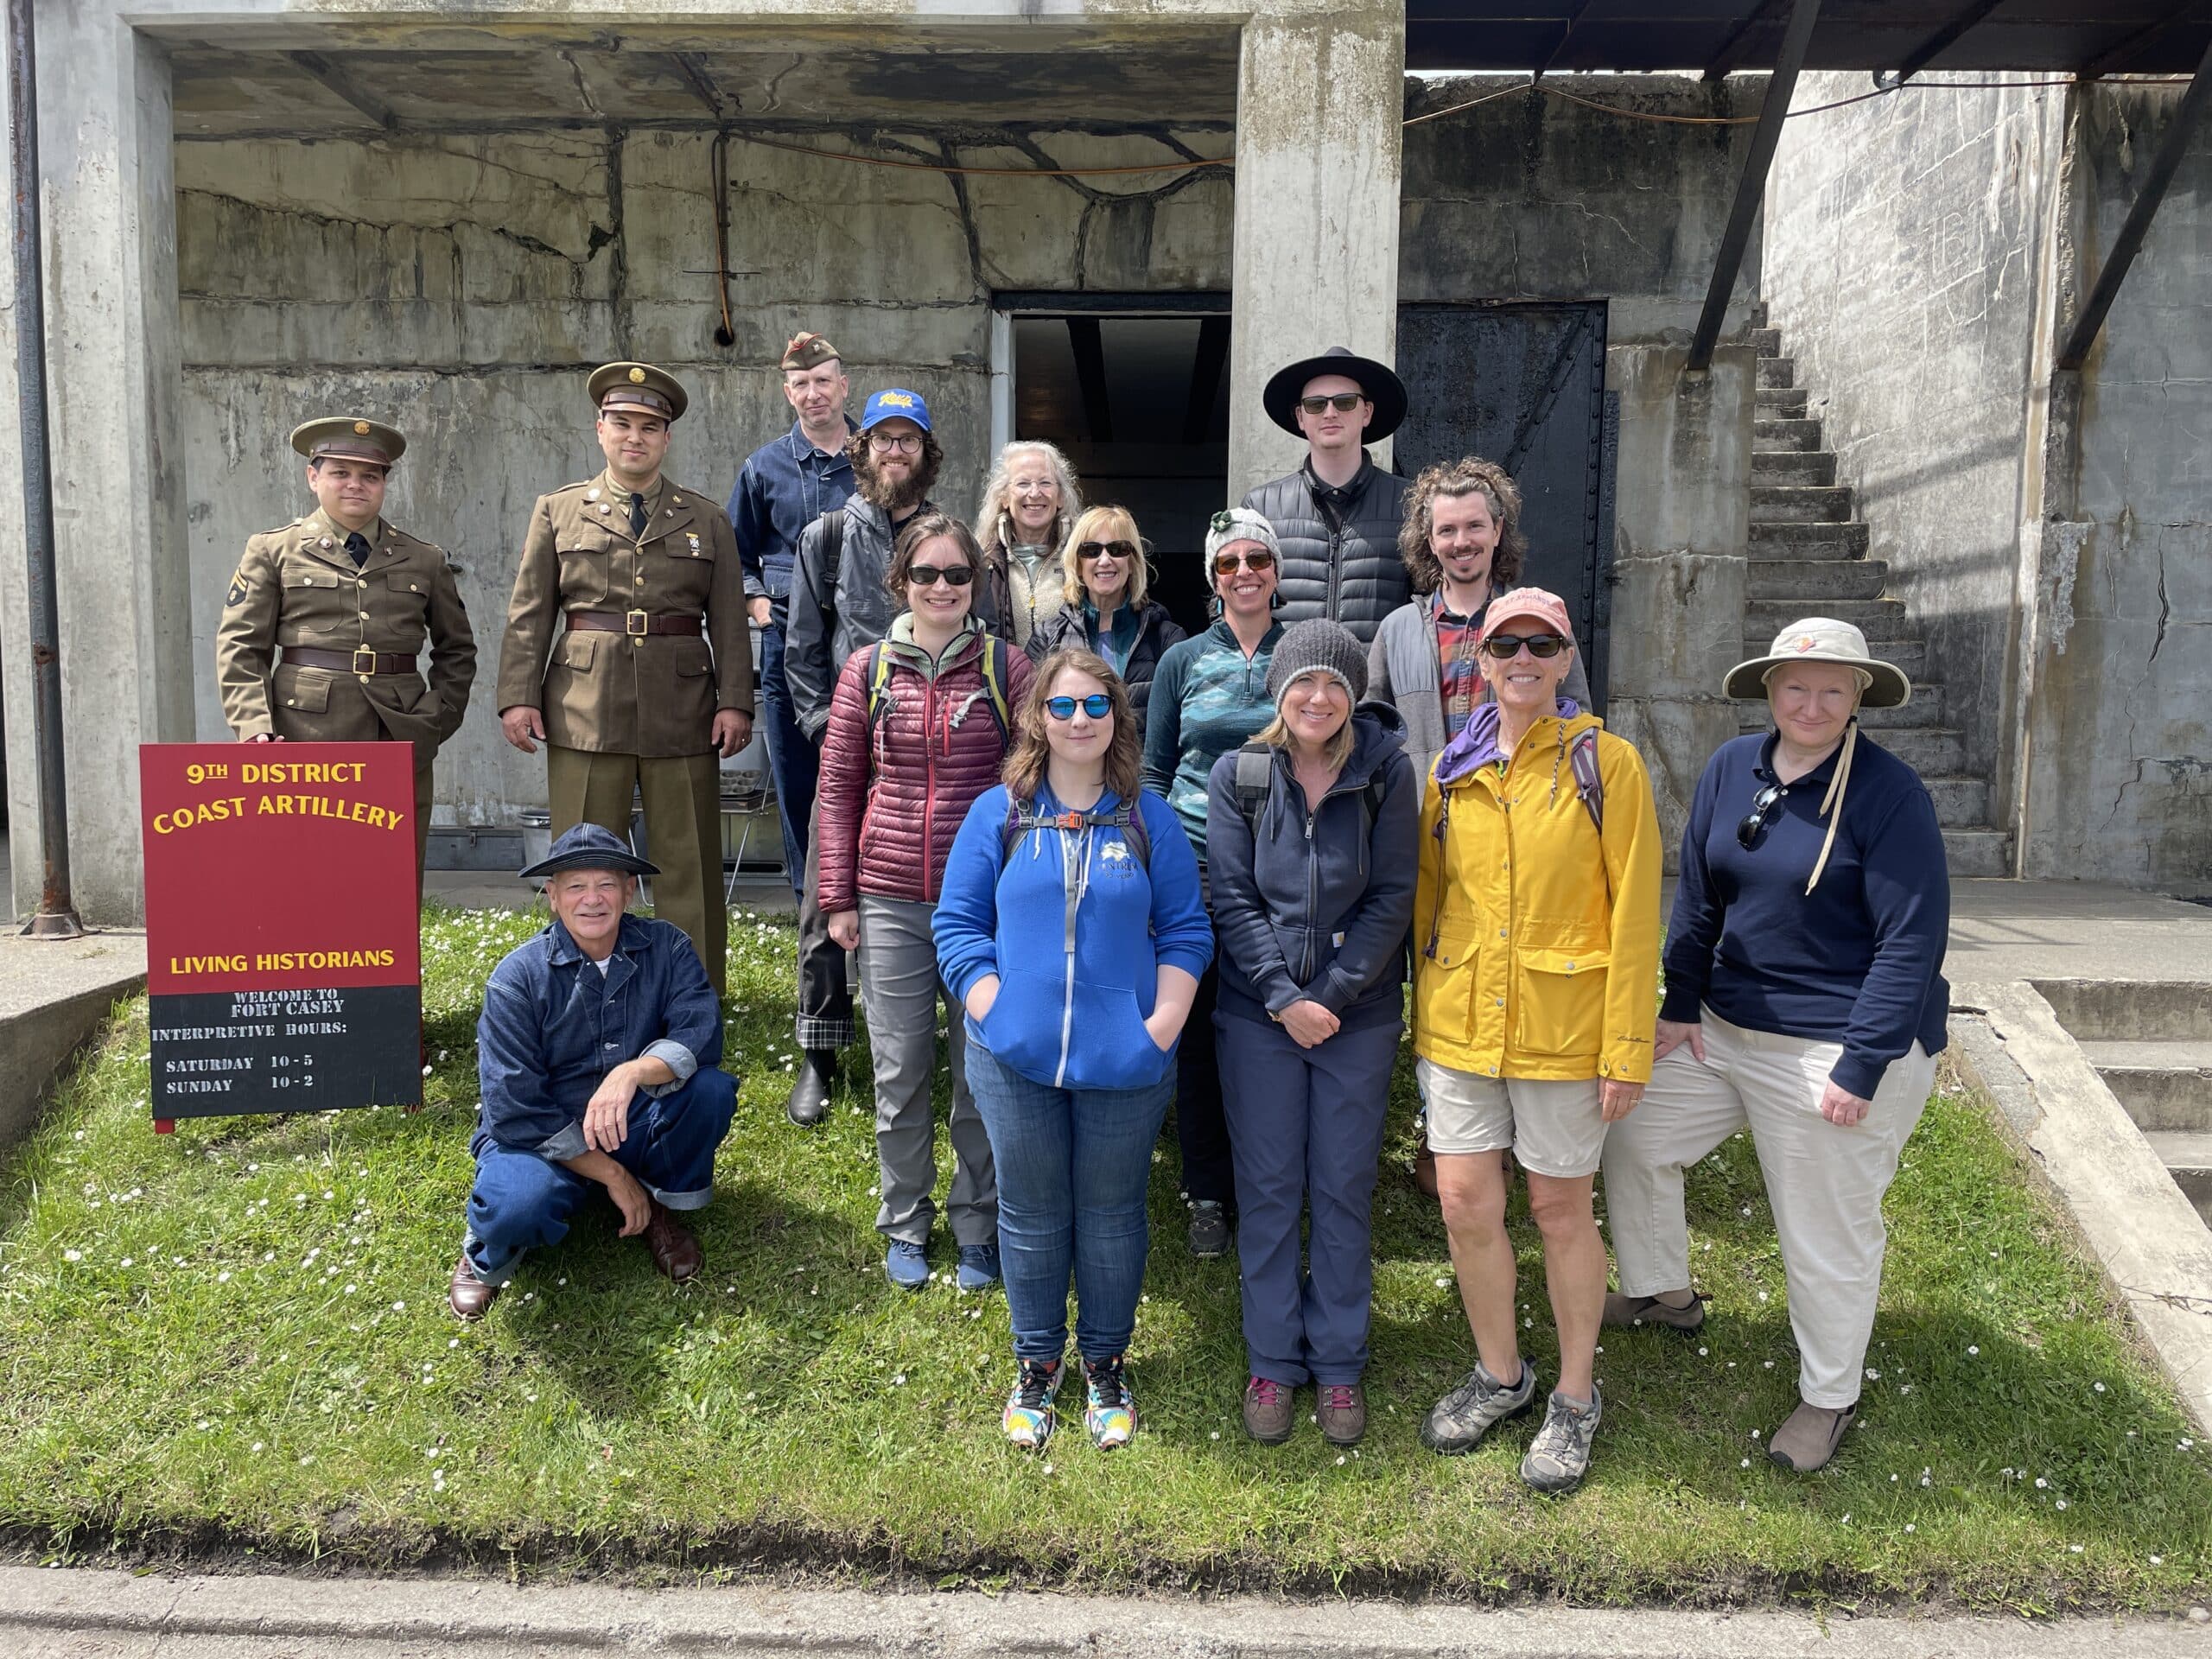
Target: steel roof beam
[(1941, 41)]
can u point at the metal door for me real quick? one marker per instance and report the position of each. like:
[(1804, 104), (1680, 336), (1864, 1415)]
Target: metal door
[(1524, 385)]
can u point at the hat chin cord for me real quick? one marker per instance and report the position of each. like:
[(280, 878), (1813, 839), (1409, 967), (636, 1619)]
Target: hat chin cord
[(1837, 784)]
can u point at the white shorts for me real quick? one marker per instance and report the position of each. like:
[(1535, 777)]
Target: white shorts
[(1553, 1128)]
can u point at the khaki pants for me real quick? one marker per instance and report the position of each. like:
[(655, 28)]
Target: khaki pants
[(1825, 1184), (684, 831)]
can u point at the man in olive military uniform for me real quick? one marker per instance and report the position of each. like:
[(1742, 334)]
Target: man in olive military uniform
[(325, 617), (651, 683)]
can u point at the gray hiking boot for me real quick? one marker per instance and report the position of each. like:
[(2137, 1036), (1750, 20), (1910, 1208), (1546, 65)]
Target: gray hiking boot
[(1560, 1455), (1458, 1422), (1209, 1229)]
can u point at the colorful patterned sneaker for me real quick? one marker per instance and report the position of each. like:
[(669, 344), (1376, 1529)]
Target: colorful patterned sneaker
[(1111, 1411), (979, 1267), (1458, 1422), (1029, 1416), (1560, 1455), (907, 1265)]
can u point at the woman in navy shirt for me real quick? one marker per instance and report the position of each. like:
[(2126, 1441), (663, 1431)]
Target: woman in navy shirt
[(1805, 999)]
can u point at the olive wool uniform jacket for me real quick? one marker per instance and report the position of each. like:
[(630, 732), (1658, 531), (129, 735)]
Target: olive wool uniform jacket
[(298, 586), (650, 695)]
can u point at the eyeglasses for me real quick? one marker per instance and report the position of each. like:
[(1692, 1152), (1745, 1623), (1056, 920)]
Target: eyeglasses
[(1542, 646), (1256, 558), (928, 575), (1087, 551), (905, 443), (1763, 805), (1097, 705), (1342, 402)]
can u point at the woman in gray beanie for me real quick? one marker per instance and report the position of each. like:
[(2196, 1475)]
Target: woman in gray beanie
[(1312, 831)]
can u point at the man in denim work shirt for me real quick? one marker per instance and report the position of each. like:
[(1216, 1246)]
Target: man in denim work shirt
[(786, 484), (597, 1058)]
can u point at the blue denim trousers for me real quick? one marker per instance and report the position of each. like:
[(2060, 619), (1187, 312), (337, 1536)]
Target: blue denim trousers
[(1073, 1166), (521, 1201), (793, 761)]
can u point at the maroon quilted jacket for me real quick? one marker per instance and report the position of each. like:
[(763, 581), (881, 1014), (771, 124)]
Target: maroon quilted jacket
[(891, 800)]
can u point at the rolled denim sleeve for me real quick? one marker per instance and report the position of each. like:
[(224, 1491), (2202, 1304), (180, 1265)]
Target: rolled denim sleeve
[(677, 1058)]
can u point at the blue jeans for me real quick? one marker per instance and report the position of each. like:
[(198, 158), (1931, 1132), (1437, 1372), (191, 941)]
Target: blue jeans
[(1073, 1165), (793, 761), (1306, 1125), (521, 1201)]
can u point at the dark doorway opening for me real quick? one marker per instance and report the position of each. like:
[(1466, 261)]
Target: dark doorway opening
[(1135, 388), (1524, 385)]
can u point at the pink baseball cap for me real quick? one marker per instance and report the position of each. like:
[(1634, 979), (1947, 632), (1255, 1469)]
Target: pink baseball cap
[(1530, 602)]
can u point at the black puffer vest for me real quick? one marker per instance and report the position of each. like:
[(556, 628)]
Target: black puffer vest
[(1352, 576)]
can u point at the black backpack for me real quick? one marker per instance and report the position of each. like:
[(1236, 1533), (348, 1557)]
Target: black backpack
[(1256, 764), (1021, 817)]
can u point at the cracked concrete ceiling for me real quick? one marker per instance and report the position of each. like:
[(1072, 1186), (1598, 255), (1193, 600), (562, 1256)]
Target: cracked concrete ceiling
[(828, 79)]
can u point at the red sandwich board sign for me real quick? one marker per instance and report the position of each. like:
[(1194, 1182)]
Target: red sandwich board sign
[(284, 949)]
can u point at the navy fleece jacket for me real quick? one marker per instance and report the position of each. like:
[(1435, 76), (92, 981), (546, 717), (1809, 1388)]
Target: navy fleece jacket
[(1071, 1019), (1317, 905), (1859, 960)]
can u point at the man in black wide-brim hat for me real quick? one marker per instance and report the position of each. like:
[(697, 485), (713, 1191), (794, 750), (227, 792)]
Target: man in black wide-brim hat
[(1338, 515), (598, 1058)]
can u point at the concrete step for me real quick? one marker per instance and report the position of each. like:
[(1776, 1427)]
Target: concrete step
[(1765, 618), (1960, 802), (1772, 466), (1978, 852), (1814, 582), (1759, 315), (1931, 751), (2166, 1084), (1777, 373), (1911, 657), (1777, 403), (1770, 436), (1807, 541), (1767, 342), (1792, 504), (2130, 1010), (2187, 1155)]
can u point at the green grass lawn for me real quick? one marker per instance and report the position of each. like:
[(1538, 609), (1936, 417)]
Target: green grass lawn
[(236, 1337)]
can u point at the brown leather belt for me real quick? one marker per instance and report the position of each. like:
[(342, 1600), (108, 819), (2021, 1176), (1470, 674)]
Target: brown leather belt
[(633, 622), (349, 661)]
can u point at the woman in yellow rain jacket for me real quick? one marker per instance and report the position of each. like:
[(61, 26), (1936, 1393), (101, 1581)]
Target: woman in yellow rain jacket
[(1535, 989)]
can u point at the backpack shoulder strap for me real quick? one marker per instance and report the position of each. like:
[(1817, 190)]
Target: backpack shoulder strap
[(994, 682), (1589, 782), (1129, 818), (1256, 764), (833, 551), (878, 674)]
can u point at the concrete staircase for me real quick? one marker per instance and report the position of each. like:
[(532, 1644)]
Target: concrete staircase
[(2152, 1043), (1808, 558)]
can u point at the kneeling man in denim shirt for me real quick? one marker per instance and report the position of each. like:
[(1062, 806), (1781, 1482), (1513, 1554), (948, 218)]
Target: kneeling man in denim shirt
[(597, 1055)]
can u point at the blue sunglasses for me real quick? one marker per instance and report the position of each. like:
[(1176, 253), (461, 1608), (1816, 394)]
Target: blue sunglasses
[(1097, 705)]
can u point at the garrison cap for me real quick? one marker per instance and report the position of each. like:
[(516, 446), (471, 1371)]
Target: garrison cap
[(639, 386), (808, 351), (342, 437)]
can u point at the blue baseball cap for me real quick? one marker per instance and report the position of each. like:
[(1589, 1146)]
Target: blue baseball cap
[(895, 404)]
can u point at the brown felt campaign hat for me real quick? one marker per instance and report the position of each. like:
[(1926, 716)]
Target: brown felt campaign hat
[(639, 386), (346, 437)]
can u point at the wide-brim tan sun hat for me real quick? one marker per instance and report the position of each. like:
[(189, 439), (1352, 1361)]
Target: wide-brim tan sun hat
[(1822, 640)]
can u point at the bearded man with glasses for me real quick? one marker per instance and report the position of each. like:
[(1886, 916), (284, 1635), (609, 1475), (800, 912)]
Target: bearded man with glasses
[(1336, 517)]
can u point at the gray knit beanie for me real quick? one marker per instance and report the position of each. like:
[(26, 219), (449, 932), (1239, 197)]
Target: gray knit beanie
[(1318, 647), (1239, 524)]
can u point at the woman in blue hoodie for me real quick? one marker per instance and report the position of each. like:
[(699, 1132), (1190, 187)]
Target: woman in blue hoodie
[(1311, 834), (1071, 1050)]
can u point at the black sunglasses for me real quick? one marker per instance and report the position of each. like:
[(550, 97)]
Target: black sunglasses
[(924, 575), (1342, 402), (1763, 805), (1543, 646), (1086, 551)]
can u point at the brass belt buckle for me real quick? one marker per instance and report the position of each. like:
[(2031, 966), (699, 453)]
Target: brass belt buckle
[(365, 661), (634, 623)]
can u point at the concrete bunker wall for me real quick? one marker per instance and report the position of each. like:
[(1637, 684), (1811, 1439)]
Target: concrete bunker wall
[(462, 284)]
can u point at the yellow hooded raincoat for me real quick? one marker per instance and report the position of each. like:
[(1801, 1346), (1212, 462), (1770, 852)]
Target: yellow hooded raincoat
[(1536, 939)]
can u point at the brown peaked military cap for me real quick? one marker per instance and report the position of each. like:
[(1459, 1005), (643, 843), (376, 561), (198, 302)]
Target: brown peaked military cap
[(639, 386), (345, 437)]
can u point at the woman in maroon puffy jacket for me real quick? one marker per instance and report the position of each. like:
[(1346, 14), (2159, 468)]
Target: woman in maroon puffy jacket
[(918, 728)]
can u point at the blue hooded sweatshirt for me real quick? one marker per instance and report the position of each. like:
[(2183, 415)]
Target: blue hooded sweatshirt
[(1076, 980), (1316, 905)]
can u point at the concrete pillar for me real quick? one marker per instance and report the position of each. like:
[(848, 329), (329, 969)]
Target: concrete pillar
[(1319, 100), (114, 383)]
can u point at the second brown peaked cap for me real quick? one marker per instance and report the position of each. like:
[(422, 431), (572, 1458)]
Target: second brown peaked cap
[(345, 437), (639, 386)]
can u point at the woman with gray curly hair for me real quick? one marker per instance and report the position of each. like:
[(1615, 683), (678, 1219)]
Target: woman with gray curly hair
[(1462, 545), (1030, 500)]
